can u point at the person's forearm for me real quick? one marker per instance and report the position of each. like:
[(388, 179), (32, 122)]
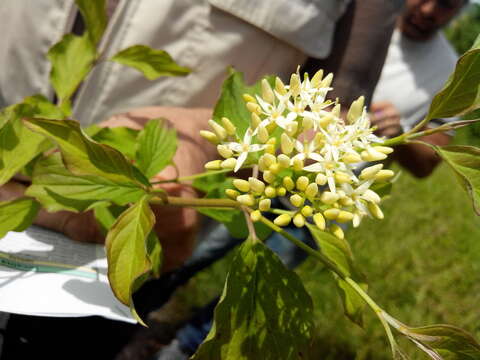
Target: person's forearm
[(360, 45)]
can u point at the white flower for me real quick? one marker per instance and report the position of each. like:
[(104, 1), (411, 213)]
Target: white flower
[(243, 148)]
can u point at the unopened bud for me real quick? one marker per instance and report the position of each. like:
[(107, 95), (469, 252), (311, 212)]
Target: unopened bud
[(307, 123), (254, 107), (336, 111), (270, 192), (312, 190), (344, 216), (281, 191), (218, 129), (232, 194), (371, 196), (296, 200), (384, 175), (271, 127), (346, 201), (275, 168), (283, 161), (224, 151), (321, 179), (372, 155), (279, 86), (325, 120), (246, 199), (249, 98), (343, 178), (355, 110), (269, 159), (384, 149), (329, 197), (229, 163), (229, 127), (242, 185), (299, 220), (264, 204), (209, 136), (351, 157), (302, 183), (213, 165), (286, 144), (375, 210), (291, 128), (327, 81), (268, 176), (356, 220), (255, 215), (282, 220), (331, 213), (267, 92), (307, 211), (270, 149), (288, 183), (298, 164), (369, 172), (295, 85), (319, 220), (337, 231), (256, 185), (262, 134), (255, 121), (317, 78)]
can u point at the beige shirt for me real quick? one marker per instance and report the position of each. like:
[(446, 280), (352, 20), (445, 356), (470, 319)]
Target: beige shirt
[(256, 37)]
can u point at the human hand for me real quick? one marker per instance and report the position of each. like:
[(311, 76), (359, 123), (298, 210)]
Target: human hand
[(386, 117)]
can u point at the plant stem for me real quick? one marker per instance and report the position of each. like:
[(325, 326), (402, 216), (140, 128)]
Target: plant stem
[(195, 202)]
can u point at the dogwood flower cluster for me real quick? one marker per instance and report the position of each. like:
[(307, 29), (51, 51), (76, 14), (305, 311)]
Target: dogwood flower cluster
[(300, 147)]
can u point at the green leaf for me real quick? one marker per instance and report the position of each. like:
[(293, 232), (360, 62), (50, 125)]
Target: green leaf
[(95, 16), (107, 214), (150, 62), (18, 145), (72, 59), (155, 254), (461, 93), (121, 138), (56, 188), (465, 162), (83, 156), (157, 145), (127, 250), (264, 311), (17, 215), (231, 103), (41, 107), (338, 251)]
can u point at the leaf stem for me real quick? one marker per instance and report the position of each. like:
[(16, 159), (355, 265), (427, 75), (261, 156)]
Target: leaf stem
[(195, 202)]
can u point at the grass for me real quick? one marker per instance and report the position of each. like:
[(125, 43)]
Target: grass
[(422, 263)]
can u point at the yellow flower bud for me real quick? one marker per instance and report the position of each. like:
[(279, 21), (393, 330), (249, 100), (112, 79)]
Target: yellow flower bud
[(269, 159), (329, 198), (291, 129), (275, 168), (261, 164), (288, 183), (283, 161), (281, 191), (319, 220), (307, 211), (327, 81), (246, 199), (286, 144), (242, 185), (279, 86), (355, 110), (255, 215), (282, 220), (254, 108), (224, 151), (375, 210), (299, 220), (370, 172), (342, 178), (346, 201), (296, 200), (372, 155), (271, 127), (249, 98), (384, 149), (344, 216), (228, 126), (268, 176), (307, 123), (336, 111), (267, 92), (302, 183), (337, 231), (325, 120), (298, 164), (256, 185), (371, 196), (218, 129), (255, 121), (262, 134), (295, 84), (264, 204), (319, 140), (229, 163), (356, 220), (213, 165), (270, 192), (351, 157), (270, 149), (209, 136), (312, 190), (317, 78), (321, 179), (232, 194), (384, 175), (331, 213)]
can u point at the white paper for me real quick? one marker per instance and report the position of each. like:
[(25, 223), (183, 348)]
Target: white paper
[(44, 273)]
